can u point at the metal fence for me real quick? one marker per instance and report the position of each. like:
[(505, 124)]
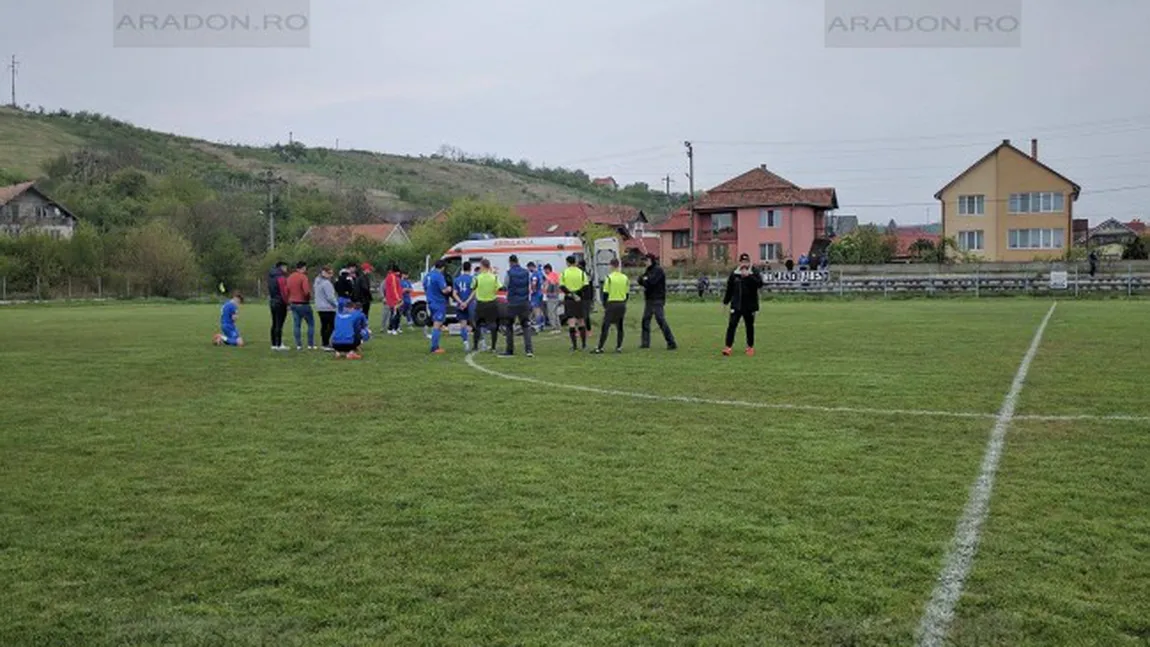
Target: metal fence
[(1113, 282)]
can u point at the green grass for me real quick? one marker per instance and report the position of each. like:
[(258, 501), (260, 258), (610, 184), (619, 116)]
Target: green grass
[(157, 490)]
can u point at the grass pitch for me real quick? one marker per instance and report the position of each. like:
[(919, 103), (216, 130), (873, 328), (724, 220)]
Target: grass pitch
[(157, 490)]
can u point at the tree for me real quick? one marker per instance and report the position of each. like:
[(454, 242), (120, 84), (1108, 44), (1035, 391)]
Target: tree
[(923, 249), (224, 260), (159, 258), (468, 216), (863, 246), (1137, 249), (84, 255)]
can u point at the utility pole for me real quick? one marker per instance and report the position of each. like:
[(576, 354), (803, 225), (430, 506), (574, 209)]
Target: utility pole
[(691, 177), (14, 65), (270, 180), (668, 181)]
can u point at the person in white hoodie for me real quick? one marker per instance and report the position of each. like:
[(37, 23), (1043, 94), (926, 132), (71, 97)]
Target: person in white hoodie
[(326, 304)]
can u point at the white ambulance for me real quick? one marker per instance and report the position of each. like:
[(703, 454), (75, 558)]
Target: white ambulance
[(541, 251)]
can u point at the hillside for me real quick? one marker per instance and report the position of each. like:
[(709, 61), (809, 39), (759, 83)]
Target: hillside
[(29, 141)]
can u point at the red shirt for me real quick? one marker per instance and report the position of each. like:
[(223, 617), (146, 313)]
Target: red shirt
[(298, 288)]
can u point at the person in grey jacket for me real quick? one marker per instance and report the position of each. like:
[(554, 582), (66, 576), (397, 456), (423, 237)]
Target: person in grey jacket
[(326, 305)]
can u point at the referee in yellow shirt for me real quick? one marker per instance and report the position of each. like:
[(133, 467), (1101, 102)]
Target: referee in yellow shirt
[(618, 288), (572, 282), (486, 304)]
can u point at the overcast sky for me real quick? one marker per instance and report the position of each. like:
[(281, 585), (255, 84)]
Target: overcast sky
[(616, 87)]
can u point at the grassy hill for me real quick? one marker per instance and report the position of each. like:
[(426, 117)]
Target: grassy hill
[(29, 141)]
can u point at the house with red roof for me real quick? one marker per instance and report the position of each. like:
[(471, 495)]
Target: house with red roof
[(908, 236), (757, 213), (342, 236), (570, 218), (608, 182)]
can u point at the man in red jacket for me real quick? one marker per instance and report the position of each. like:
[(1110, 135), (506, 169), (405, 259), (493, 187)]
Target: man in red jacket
[(393, 297), (299, 296)]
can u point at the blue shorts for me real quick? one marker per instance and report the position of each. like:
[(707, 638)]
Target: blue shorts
[(231, 336), (438, 313)]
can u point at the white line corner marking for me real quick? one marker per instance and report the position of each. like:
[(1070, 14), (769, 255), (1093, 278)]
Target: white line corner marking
[(939, 612)]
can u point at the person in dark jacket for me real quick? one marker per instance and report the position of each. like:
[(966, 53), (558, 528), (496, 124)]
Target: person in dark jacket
[(345, 284), (588, 300), (742, 296), (654, 282), (518, 286), (362, 289), (277, 302)]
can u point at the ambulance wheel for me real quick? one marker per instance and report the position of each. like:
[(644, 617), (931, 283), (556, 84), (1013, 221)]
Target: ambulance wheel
[(420, 316)]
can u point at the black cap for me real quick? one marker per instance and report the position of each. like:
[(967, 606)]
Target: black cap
[(744, 257), (513, 258)]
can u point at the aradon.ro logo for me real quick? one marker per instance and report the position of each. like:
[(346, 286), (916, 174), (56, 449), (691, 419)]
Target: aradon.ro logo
[(923, 23), (212, 23)]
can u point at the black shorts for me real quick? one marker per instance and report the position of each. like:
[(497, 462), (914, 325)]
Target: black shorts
[(614, 313), (345, 348), (487, 313), (572, 308)]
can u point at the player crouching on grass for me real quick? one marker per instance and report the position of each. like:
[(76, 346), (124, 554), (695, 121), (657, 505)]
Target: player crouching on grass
[(229, 335), (350, 332)]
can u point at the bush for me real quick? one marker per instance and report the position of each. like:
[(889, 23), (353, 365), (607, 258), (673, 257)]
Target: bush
[(158, 258)]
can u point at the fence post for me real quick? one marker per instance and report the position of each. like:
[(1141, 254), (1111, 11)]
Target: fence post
[(38, 297), (1129, 280), (100, 287), (840, 283), (885, 283), (1075, 281), (129, 283), (4, 281), (69, 288), (977, 281)]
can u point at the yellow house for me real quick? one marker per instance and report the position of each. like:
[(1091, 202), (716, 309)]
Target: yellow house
[(1009, 207)]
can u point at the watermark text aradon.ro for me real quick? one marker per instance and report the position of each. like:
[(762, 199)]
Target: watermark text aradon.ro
[(923, 23), (211, 23)]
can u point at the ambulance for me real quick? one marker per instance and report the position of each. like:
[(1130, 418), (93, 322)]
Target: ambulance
[(541, 251)]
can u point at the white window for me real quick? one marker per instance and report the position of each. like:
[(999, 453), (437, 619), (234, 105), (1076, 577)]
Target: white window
[(1036, 239), (770, 251), (971, 205), (970, 241), (1046, 202), (770, 219)]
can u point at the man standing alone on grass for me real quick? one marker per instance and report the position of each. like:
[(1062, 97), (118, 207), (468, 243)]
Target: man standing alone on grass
[(654, 282), (572, 282), (437, 292), (277, 301), (326, 305), (616, 287), (362, 290), (742, 296), (299, 296), (518, 306)]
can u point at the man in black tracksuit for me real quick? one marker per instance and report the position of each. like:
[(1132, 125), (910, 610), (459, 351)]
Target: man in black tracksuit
[(345, 284), (742, 296), (277, 302), (361, 292), (654, 282)]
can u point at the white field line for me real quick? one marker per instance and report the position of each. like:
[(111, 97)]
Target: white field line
[(939, 611), (922, 413)]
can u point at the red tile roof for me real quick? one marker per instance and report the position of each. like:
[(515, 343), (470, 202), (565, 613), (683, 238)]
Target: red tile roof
[(908, 235), (342, 235), (679, 221), (762, 188), (9, 192), (1137, 226), (642, 244), (559, 218)]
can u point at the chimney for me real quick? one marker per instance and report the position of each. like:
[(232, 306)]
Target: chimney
[(1034, 149), (763, 166), (1006, 142)]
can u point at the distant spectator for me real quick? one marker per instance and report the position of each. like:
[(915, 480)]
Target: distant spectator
[(362, 291), (1093, 258)]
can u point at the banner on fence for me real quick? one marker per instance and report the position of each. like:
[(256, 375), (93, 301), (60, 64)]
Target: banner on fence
[(797, 277), (1059, 280)]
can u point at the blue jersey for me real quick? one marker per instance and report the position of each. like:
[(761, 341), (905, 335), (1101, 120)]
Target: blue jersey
[(349, 325), (406, 286), (228, 316), (434, 285), (463, 285), (538, 280)]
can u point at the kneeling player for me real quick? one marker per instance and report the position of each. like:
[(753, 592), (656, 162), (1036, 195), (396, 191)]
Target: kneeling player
[(350, 332), (229, 335)]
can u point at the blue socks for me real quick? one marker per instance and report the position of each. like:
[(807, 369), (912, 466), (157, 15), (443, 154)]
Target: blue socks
[(434, 339)]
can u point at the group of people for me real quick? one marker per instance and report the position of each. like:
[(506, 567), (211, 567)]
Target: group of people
[(532, 296)]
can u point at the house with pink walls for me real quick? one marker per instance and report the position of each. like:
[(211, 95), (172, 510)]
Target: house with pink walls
[(761, 214)]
